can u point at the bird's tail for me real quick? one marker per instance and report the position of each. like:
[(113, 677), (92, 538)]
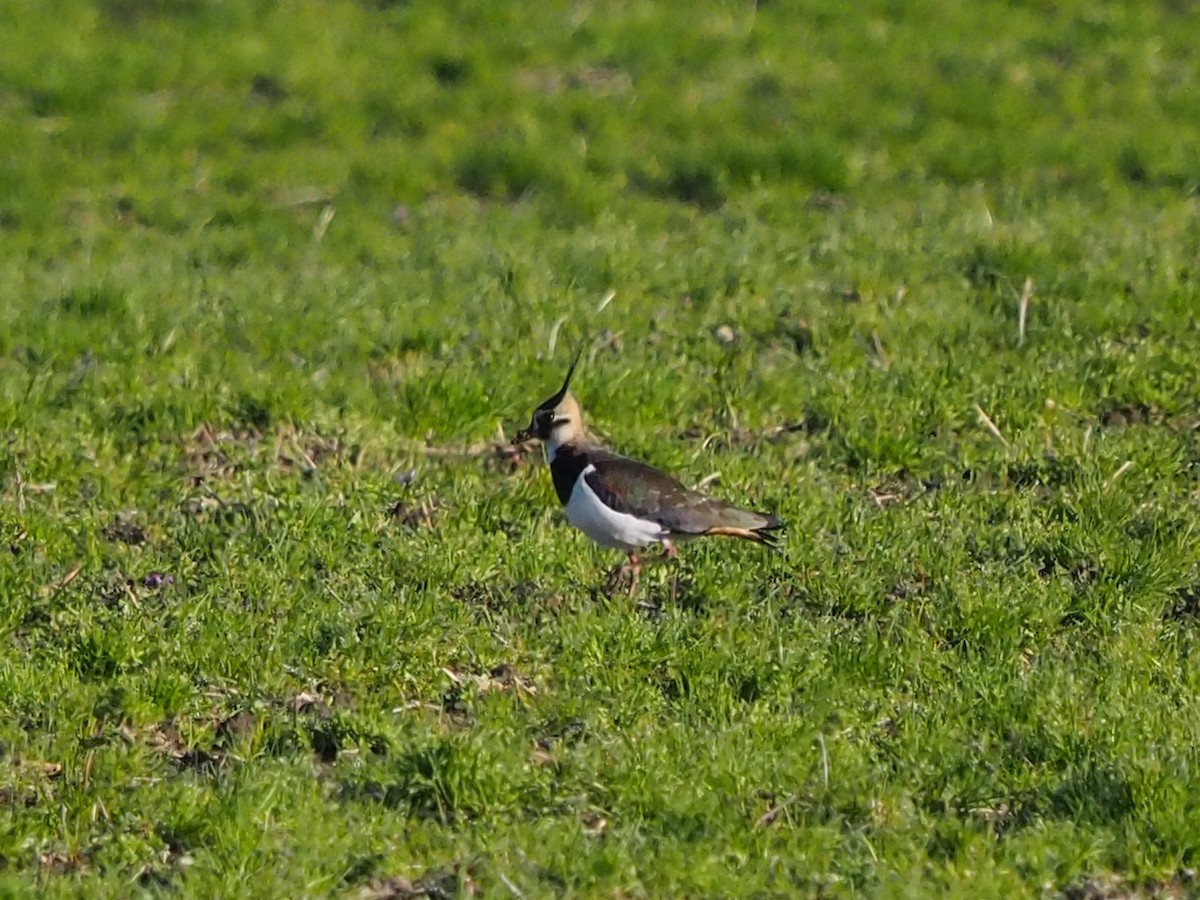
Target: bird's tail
[(751, 526)]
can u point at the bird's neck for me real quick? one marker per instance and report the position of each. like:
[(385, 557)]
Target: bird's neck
[(568, 459), (556, 443), (574, 438)]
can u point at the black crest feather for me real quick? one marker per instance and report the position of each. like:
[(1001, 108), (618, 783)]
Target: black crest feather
[(562, 391)]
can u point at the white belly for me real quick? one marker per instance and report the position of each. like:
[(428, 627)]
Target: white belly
[(606, 526)]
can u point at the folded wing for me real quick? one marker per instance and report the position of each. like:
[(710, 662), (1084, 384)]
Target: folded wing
[(629, 486)]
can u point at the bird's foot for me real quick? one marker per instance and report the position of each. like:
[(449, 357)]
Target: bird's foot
[(669, 554), (622, 574)]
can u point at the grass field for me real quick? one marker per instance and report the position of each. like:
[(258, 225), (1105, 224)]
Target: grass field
[(282, 616)]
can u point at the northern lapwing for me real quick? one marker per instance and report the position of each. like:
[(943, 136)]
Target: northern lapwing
[(625, 504)]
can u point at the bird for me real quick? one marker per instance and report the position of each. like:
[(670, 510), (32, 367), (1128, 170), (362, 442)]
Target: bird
[(624, 504)]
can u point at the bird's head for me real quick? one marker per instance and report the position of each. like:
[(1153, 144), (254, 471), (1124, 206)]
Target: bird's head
[(557, 419)]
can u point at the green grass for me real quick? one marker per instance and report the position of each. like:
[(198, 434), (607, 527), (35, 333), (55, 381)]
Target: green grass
[(278, 617)]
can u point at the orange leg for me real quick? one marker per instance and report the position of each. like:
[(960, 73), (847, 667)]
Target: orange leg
[(672, 554), (635, 569)]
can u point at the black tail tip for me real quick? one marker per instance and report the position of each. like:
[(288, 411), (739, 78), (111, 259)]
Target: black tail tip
[(766, 533)]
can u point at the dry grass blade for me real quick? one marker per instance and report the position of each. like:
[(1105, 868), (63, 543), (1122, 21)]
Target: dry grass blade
[(500, 450), (1023, 310), (987, 423), (323, 222), (55, 586), (880, 354), (771, 816), (552, 342), (1121, 470)]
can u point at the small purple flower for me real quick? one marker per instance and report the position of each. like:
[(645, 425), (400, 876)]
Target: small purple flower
[(155, 580)]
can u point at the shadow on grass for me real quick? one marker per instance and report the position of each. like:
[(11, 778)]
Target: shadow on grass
[(1094, 793), (443, 781)]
